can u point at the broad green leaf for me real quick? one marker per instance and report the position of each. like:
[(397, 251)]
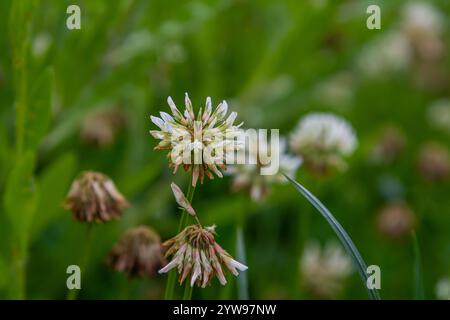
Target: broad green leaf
[(342, 235), (21, 198), (39, 111), (54, 184)]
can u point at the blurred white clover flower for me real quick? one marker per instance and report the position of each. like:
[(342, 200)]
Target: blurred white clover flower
[(422, 19), (442, 289), (336, 91), (439, 114), (40, 45), (248, 176), (390, 52), (324, 270), (323, 139), (423, 24), (198, 143)]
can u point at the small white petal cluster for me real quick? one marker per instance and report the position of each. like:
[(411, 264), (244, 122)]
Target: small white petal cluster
[(322, 139), (248, 176), (439, 114), (421, 19), (324, 270), (199, 143), (390, 52), (442, 289)]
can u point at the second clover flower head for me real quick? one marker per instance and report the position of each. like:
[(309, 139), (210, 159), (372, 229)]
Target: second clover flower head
[(197, 256), (323, 140), (197, 142)]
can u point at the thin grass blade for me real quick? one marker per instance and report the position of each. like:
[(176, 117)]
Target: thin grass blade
[(341, 233)]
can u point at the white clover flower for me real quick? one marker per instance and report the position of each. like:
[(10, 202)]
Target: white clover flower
[(423, 24), (439, 114), (324, 270), (390, 52), (201, 142), (248, 176), (422, 19), (442, 289), (323, 139)]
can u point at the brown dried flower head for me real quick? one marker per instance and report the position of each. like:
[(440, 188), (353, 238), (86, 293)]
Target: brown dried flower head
[(396, 220), (94, 197), (434, 162), (197, 255), (138, 253), (101, 128)]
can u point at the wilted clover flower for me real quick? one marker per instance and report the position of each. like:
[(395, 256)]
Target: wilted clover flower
[(94, 197), (390, 144), (396, 220), (198, 143), (101, 128), (138, 253), (323, 139), (197, 256), (324, 270), (434, 162), (248, 176)]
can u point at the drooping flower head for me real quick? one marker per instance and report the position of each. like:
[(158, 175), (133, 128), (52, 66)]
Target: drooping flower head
[(94, 197), (324, 270), (138, 253), (248, 176), (197, 142), (198, 257), (323, 140)]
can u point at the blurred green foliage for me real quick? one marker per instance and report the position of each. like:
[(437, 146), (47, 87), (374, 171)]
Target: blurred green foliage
[(266, 58)]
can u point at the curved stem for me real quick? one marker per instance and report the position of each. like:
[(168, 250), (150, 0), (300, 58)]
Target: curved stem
[(73, 294), (171, 280)]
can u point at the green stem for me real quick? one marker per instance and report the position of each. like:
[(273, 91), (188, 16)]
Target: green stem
[(73, 294), (242, 281), (170, 286), (19, 265)]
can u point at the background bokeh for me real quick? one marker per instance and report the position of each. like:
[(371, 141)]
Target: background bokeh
[(274, 62)]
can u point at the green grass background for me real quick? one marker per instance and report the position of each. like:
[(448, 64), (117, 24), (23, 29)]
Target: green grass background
[(265, 58)]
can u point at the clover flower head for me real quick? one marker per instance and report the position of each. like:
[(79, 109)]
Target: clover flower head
[(434, 162), (198, 257), (442, 289), (101, 128), (197, 142), (388, 53), (94, 197), (248, 176), (439, 114), (323, 139), (396, 220), (420, 19), (138, 253), (324, 269)]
